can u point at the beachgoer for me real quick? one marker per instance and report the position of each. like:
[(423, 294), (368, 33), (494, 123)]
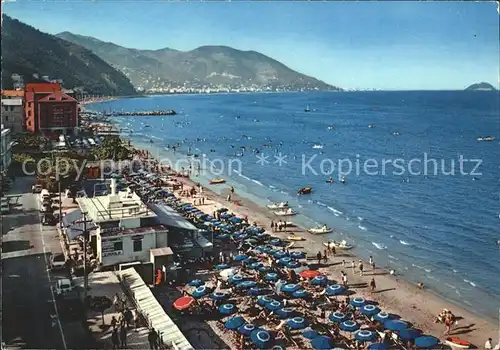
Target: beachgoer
[(372, 284), (153, 339), (326, 252), (343, 263), (319, 256), (123, 336), (232, 189), (114, 322), (344, 279), (325, 258), (353, 265), (371, 260), (229, 198), (420, 285), (488, 345), (334, 252), (114, 339), (448, 322)]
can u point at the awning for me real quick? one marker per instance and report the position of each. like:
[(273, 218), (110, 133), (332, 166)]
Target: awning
[(169, 217)]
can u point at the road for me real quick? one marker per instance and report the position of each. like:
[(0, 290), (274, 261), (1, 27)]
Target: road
[(30, 317)]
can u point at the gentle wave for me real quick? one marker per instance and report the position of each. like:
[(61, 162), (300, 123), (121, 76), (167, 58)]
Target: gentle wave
[(360, 218), (321, 204), (392, 257), (335, 210), (258, 182), (470, 282), (362, 228), (404, 242), (243, 176), (379, 246)]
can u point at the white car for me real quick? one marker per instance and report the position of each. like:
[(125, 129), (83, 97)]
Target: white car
[(63, 286), (57, 261)]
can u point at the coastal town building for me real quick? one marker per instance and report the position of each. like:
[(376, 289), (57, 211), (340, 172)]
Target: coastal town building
[(12, 112), (5, 150), (33, 92), (58, 112)]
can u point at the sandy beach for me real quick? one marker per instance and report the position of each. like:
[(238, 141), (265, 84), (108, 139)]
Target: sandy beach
[(394, 295)]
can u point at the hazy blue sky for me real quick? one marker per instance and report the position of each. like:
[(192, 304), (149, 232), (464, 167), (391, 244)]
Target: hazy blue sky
[(383, 45)]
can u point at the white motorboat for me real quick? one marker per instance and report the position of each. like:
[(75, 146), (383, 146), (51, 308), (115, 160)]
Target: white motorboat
[(320, 230), (317, 146), (285, 212), (281, 205), (342, 245)]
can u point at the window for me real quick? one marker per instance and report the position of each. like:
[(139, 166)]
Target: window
[(138, 245), (118, 245), (6, 118)]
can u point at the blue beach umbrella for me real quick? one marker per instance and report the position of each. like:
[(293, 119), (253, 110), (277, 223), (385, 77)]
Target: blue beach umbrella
[(235, 220), (260, 248), (395, 325), (297, 255), (378, 346), (337, 317), (290, 288), (335, 289), (236, 279), (275, 242), (365, 335), (426, 342), (246, 329), (274, 305), (349, 326), (278, 347), (322, 343), (264, 268), (261, 338), (247, 284), (227, 309), (262, 235), (256, 265), (271, 276), (293, 264), (255, 291), (358, 302), (262, 301), (251, 260), (195, 283), (285, 260), (409, 334), (319, 281), (200, 292), (309, 333), (382, 317), (280, 254), (219, 296), (297, 323), (286, 312), (369, 310), (221, 266), (301, 293), (240, 257), (234, 322)]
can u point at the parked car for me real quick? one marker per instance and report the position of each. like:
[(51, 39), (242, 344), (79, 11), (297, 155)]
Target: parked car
[(36, 188), (49, 219), (46, 208), (57, 261), (63, 286)]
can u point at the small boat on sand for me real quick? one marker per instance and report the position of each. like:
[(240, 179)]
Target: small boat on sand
[(290, 224), (456, 342), (295, 238), (281, 205), (305, 190), (285, 212), (320, 230), (343, 245), (217, 181)]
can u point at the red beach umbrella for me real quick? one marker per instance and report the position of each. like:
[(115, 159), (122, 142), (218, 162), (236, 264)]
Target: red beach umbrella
[(310, 273), (183, 302)]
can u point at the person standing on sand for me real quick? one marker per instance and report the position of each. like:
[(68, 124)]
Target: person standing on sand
[(343, 263), (232, 189), (344, 278), (353, 265), (319, 256), (326, 252), (372, 284), (360, 267), (371, 260), (229, 197), (272, 225)]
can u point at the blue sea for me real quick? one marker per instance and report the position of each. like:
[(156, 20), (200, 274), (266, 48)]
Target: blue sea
[(439, 226)]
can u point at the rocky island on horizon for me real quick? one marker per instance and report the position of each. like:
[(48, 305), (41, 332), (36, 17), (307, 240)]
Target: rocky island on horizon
[(481, 87)]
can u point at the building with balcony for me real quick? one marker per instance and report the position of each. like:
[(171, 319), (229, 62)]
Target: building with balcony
[(12, 114), (58, 112)]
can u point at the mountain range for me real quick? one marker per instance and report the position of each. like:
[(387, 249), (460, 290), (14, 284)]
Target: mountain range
[(31, 56), (212, 67)]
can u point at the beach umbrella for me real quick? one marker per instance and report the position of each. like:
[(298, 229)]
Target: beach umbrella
[(275, 242), (262, 235), (236, 279), (337, 317), (227, 273), (269, 251), (227, 309), (256, 265), (395, 325), (286, 312), (262, 301), (293, 264), (426, 342), (297, 322), (378, 346), (261, 338), (246, 329), (255, 291), (271, 276), (301, 293), (322, 343), (234, 322), (195, 283), (310, 273), (240, 237), (240, 257), (278, 347), (235, 220), (251, 241), (280, 254), (247, 284), (183, 303), (221, 266), (319, 281), (290, 288), (369, 310), (274, 305), (309, 333), (358, 302), (409, 334), (200, 292), (223, 236), (297, 255), (251, 259), (349, 326), (260, 248), (264, 268), (381, 317), (219, 296), (365, 335), (335, 289), (285, 260)]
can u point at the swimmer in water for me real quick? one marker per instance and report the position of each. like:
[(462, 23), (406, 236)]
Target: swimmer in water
[(330, 180)]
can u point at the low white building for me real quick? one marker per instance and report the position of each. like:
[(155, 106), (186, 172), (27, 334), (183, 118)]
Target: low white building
[(126, 227), (5, 150), (12, 114)]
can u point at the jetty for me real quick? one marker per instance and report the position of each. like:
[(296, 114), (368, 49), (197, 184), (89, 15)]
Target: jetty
[(141, 113)]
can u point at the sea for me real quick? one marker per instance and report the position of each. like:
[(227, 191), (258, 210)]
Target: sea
[(421, 193)]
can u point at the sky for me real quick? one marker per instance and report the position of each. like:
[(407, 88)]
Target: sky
[(388, 45)]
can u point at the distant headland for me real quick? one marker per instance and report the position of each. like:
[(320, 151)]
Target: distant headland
[(481, 87)]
